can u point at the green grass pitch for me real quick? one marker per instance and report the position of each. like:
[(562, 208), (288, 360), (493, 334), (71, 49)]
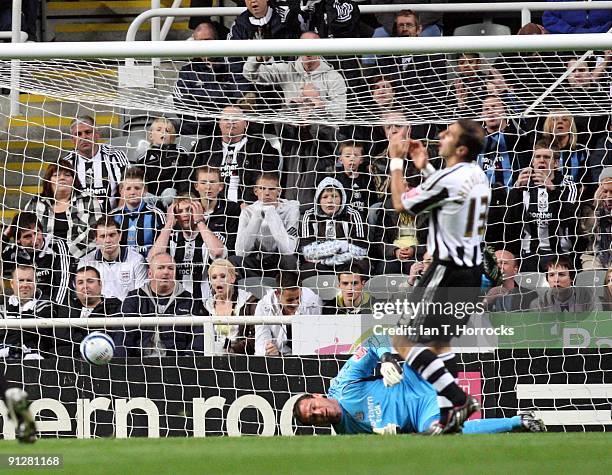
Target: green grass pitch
[(521, 454)]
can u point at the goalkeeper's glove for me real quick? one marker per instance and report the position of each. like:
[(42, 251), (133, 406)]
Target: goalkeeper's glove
[(391, 371), (389, 429)]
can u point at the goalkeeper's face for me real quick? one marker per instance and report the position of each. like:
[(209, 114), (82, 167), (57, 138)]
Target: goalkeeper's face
[(319, 410)]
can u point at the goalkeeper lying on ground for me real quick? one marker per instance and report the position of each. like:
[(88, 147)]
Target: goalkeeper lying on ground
[(399, 402)]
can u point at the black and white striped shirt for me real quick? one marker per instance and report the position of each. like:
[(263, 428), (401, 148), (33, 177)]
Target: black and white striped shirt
[(100, 175), (457, 199)]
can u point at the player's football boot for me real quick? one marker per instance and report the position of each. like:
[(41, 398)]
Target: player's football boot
[(459, 414), (19, 411), (530, 423)]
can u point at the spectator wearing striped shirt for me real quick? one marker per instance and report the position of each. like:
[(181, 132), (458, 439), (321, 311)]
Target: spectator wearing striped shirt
[(99, 167), (64, 212), (26, 302), (138, 220), (188, 238), (42, 251), (542, 209)]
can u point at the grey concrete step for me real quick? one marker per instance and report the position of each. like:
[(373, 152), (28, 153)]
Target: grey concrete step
[(99, 8)]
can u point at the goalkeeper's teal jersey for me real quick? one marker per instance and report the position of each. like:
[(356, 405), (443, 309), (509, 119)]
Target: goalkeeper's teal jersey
[(367, 404)]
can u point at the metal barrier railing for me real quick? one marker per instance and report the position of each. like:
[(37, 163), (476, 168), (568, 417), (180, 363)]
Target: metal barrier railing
[(525, 8)]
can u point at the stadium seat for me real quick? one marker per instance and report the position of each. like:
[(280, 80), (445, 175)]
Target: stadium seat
[(483, 29), (325, 285), (592, 278), (186, 141), (531, 280), (258, 286), (384, 287), (134, 145)]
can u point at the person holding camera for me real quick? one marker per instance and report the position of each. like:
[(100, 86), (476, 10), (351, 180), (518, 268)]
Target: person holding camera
[(542, 210)]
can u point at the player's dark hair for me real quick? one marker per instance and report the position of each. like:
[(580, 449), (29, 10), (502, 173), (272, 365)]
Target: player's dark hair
[(472, 137), (297, 414), (562, 262), (24, 221), (84, 269), (287, 280)]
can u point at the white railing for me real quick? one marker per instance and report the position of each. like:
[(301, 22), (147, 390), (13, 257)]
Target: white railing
[(206, 322), (525, 8), (16, 36), (340, 47)]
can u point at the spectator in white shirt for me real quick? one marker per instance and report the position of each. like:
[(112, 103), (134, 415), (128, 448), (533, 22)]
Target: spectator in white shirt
[(267, 231), (122, 269), (287, 299)]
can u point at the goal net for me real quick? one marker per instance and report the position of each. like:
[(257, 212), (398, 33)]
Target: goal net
[(242, 169)]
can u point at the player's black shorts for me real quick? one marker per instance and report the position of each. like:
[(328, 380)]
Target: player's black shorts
[(443, 300)]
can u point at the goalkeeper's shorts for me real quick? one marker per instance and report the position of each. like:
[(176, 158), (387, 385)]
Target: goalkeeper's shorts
[(442, 301)]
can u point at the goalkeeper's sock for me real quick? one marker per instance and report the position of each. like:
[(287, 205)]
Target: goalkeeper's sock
[(433, 370), (492, 426)]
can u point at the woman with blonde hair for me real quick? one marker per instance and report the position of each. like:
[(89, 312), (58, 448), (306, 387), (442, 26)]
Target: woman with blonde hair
[(227, 299), (561, 132)]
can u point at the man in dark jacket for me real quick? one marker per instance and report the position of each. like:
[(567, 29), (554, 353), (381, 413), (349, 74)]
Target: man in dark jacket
[(542, 206), (240, 157), (162, 296), (49, 256), (206, 85), (421, 78), (26, 302), (85, 302)]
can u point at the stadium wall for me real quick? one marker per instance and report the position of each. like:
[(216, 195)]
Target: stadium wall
[(237, 395)]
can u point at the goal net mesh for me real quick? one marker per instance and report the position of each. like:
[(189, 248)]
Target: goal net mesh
[(316, 131)]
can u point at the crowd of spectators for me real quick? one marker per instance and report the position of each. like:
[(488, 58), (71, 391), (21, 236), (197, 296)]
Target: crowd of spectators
[(174, 233)]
